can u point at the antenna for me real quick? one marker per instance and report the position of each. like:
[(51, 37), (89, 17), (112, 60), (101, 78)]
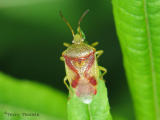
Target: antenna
[(66, 22), (81, 18)]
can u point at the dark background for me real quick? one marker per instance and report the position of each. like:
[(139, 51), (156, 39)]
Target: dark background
[(31, 41)]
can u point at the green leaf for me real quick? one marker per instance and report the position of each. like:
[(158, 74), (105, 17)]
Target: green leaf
[(12, 3), (98, 109), (138, 28), (23, 96)]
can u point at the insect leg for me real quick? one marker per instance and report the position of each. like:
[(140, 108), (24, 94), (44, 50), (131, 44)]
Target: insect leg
[(102, 69), (62, 58), (66, 44), (94, 44), (65, 82), (99, 53)]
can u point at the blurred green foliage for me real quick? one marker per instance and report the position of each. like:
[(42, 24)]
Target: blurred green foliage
[(18, 97), (31, 38), (138, 25)]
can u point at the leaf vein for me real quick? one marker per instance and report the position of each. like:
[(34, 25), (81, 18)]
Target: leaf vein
[(151, 60)]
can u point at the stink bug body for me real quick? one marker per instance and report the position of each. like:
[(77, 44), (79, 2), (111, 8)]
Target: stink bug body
[(82, 70)]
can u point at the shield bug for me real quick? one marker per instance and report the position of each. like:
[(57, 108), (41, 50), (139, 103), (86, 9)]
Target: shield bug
[(82, 70)]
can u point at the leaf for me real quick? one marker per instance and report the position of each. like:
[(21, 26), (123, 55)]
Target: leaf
[(98, 109), (137, 23), (7, 111), (23, 96), (13, 3)]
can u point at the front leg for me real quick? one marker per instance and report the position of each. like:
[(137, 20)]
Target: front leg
[(62, 58), (66, 44), (94, 44)]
